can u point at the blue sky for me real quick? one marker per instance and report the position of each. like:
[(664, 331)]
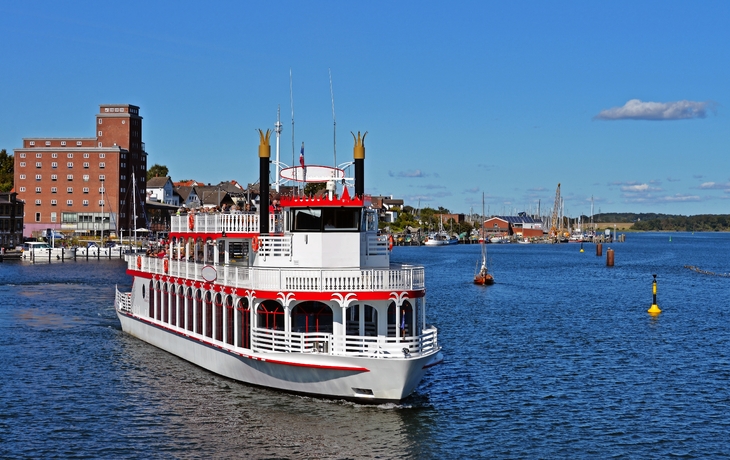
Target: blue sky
[(623, 101)]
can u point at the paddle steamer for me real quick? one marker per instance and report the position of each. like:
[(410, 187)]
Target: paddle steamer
[(303, 300)]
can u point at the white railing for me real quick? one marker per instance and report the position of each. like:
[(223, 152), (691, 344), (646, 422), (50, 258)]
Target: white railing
[(219, 223), (396, 277), (124, 301), (267, 340), (275, 246)]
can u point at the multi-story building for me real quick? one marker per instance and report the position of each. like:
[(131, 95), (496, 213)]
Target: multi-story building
[(89, 184), (11, 220)]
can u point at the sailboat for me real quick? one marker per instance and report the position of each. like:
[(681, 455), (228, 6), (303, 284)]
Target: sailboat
[(440, 238), (483, 277)]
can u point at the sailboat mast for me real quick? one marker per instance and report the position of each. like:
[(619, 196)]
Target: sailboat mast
[(277, 128)]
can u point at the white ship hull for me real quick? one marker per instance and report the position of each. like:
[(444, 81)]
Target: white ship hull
[(369, 380)]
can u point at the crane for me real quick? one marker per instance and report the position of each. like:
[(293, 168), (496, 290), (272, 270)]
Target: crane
[(555, 231)]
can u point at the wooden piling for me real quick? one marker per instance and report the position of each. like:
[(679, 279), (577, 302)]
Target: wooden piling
[(609, 257), (599, 249)]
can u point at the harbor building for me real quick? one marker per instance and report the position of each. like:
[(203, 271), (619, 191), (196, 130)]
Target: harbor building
[(11, 220), (85, 185)]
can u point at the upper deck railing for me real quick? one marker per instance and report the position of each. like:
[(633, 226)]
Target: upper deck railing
[(396, 277), (220, 222)]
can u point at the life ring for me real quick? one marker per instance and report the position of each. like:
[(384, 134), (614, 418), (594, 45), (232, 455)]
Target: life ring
[(191, 221), (390, 242), (255, 244), (166, 265), (139, 262)]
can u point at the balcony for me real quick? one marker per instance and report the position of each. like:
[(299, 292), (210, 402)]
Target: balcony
[(397, 277)]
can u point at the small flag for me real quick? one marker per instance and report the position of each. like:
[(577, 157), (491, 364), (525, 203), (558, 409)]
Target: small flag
[(301, 156)]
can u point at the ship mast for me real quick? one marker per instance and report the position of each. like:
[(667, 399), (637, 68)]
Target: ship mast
[(277, 128)]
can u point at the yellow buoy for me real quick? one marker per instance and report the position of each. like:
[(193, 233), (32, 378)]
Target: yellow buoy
[(654, 309)]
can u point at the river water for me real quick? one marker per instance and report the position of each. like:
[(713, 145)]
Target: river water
[(558, 359)]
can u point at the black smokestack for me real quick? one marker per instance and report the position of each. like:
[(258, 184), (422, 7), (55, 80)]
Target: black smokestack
[(359, 155), (264, 155)]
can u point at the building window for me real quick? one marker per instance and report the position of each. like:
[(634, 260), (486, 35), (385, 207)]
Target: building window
[(102, 155), (86, 155), (99, 133), (39, 155), (38, 164), (53, 202), (69, 165), (37, 217), (54, 177), (101, 176), (63, 143), (70, 189), (102, 165), (99, 144), (32, 143), (124, 165), (86, 165), (85, 202), (37, 202), (70, 155), (123, 202), (53, 216), (48, 143), (38, 190), (99, 120), (78, 143), (69, 202), (54, 155), (122, 214), (54, 165), (122, 177), (22, 176), (37, 177), (102, 189), (22, 164), (86, 189), (70, 177), (101, 202), (122, 190), (22, 155), (86, 178), (54, 189), (22, 189)]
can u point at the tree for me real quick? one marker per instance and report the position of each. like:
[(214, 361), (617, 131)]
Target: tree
[(312, 188), (6, 171), (157, 171)]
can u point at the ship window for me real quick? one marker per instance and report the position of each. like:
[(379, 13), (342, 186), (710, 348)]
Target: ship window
[(218, 317), (270, 316), (208, 314), (327, 219), (312, 317), (307, 220)]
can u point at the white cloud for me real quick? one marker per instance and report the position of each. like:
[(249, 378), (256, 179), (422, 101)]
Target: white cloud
[(715, 186), (414, 173), (638, 110), (680, 198), (635, 188)]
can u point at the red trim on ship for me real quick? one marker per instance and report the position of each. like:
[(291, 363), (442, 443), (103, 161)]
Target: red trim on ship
[(300, 295)]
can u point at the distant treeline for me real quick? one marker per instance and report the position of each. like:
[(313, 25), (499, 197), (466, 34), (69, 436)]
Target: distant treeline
[(668, 222)]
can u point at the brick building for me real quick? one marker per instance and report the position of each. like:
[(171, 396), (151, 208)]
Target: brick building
[(11, 220), (85, 184)]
